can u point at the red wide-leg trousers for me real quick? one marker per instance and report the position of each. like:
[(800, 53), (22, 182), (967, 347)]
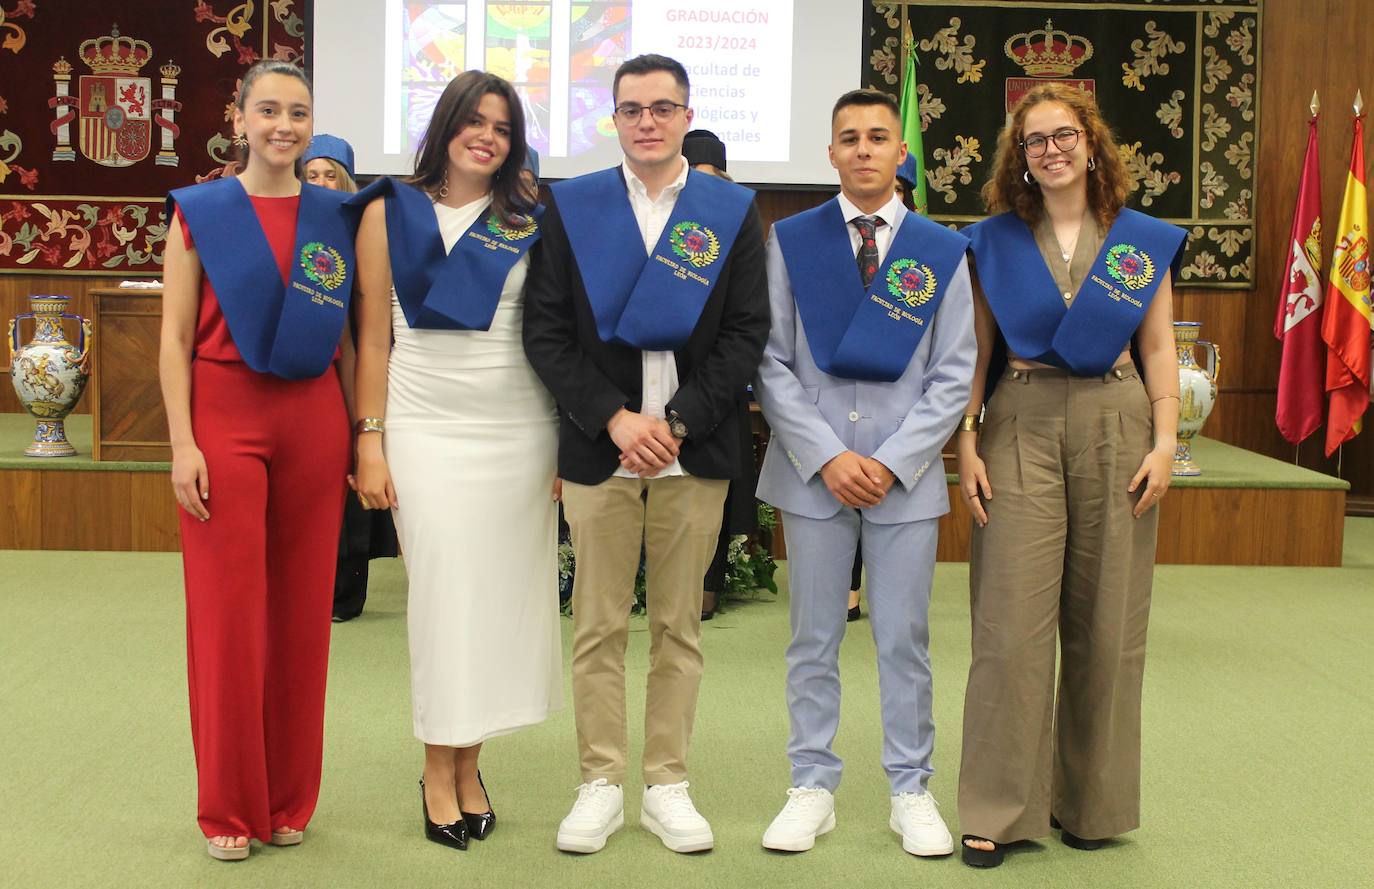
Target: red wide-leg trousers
[(259, 588)]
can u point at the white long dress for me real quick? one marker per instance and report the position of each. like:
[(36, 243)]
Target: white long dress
[(471, 442)]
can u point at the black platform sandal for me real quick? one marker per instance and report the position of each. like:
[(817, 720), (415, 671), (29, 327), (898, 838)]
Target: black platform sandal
[(1073, 840), (980, 857)]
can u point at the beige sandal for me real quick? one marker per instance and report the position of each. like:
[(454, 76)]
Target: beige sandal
[(226, 853), (287, 837)]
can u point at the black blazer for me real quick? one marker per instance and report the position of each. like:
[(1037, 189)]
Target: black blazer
[(591, 379)]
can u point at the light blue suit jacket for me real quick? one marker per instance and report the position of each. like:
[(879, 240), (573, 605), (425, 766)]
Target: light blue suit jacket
[(815, 417)]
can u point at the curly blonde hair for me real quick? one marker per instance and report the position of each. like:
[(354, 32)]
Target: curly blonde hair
[(1108, 183)]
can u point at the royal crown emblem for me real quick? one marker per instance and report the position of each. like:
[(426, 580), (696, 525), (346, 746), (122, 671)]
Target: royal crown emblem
[(114, 108), (695, 243), (1046, 54), (910, 282)]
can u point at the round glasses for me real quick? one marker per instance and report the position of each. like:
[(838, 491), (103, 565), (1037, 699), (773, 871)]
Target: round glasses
[(1065, 140), (663, 111)]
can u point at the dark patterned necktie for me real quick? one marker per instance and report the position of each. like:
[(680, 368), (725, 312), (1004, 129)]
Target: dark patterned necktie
[(867, 257)]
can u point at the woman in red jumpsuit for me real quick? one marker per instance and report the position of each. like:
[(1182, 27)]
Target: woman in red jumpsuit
[(257, 276)]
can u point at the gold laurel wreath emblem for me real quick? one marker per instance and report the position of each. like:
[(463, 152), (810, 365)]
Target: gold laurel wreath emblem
[(496, 227), (328, 280), (911, 298), (701, 258), (1139, 279)]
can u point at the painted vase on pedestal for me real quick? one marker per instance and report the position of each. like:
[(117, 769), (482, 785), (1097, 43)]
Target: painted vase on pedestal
[(49, 373), (1197, 389)]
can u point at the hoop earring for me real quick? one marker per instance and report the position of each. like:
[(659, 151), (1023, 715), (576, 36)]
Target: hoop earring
[(1092, 165), (443, 187), (1027, 177)]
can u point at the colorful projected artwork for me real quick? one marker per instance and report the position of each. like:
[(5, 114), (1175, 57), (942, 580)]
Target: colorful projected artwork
[(516, 41)]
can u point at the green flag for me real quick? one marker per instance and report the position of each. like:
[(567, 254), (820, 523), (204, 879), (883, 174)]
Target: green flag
[(911, 126)]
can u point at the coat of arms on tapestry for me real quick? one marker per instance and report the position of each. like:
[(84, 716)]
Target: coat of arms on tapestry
[(1177, 80), (93, 110)]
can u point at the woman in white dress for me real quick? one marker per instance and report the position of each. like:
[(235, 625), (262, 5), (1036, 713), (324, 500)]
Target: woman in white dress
[(458, 437)]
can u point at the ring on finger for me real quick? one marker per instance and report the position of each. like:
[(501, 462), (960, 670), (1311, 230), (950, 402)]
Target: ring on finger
[(363, 500)]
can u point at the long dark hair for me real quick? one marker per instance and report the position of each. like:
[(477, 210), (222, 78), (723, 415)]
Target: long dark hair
[(452, 112)]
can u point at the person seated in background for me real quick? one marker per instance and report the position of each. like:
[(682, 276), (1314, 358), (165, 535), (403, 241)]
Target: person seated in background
[(366, 535), (529, 175), (328, 163), (705, 153), (906, 193)]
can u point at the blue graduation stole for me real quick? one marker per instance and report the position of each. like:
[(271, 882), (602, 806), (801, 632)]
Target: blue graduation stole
[(1087, 337), (292, 329), (458, 290), (650, 301), (867, 334)]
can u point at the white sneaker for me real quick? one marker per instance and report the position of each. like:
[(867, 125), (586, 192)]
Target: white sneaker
[(810, 812), (923, 831), (668, 814), (598, 813)]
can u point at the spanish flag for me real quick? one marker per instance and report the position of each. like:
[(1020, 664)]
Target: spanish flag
[(1346, 314)]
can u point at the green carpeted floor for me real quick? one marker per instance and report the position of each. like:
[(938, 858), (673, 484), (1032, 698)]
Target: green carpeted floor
[(1259, 713)]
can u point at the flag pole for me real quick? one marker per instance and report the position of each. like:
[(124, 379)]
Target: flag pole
[(1340, 450)]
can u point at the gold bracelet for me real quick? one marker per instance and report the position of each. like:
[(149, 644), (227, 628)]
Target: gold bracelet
[(970, 423), (1162, 397), (370, 424)]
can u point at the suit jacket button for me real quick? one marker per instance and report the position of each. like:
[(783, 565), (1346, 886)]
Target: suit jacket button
[(853, 416)]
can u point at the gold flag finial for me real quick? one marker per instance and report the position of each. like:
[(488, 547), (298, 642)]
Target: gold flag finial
[(1316, 104), (1359, 103)]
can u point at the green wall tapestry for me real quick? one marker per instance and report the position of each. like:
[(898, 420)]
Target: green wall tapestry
[(1178, 80)]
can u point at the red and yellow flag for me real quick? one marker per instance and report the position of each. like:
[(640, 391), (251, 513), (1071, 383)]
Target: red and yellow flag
[(1346, 316), (1298, 324)]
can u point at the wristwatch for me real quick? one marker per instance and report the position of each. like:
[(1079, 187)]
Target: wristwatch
[(676, 425)]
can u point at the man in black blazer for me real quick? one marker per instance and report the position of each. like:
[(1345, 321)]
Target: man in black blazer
[(646, 315)]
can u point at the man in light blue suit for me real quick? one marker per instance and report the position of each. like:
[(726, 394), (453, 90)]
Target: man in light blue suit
[(865, 375)]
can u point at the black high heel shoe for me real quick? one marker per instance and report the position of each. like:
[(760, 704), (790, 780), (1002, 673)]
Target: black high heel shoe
[(480, 826), (454, 835), (1073, 840)]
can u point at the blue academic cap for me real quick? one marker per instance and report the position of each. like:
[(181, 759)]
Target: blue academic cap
[(906, 171), (332, 147)]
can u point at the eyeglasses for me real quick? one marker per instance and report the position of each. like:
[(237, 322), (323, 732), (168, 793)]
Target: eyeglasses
[(663, 111), (1065, 140)]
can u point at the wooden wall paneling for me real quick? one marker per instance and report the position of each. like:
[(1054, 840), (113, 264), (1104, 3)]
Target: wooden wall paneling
[(153, 513), (21, 504), (131, 420), (85, 510), (780, 204)]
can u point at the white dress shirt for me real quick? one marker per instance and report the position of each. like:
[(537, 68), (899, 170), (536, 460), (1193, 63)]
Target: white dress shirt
[(883, 235), (659, 368)]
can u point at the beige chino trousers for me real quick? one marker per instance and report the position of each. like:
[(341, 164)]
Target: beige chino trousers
[(1061, 559), (678, 519)]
